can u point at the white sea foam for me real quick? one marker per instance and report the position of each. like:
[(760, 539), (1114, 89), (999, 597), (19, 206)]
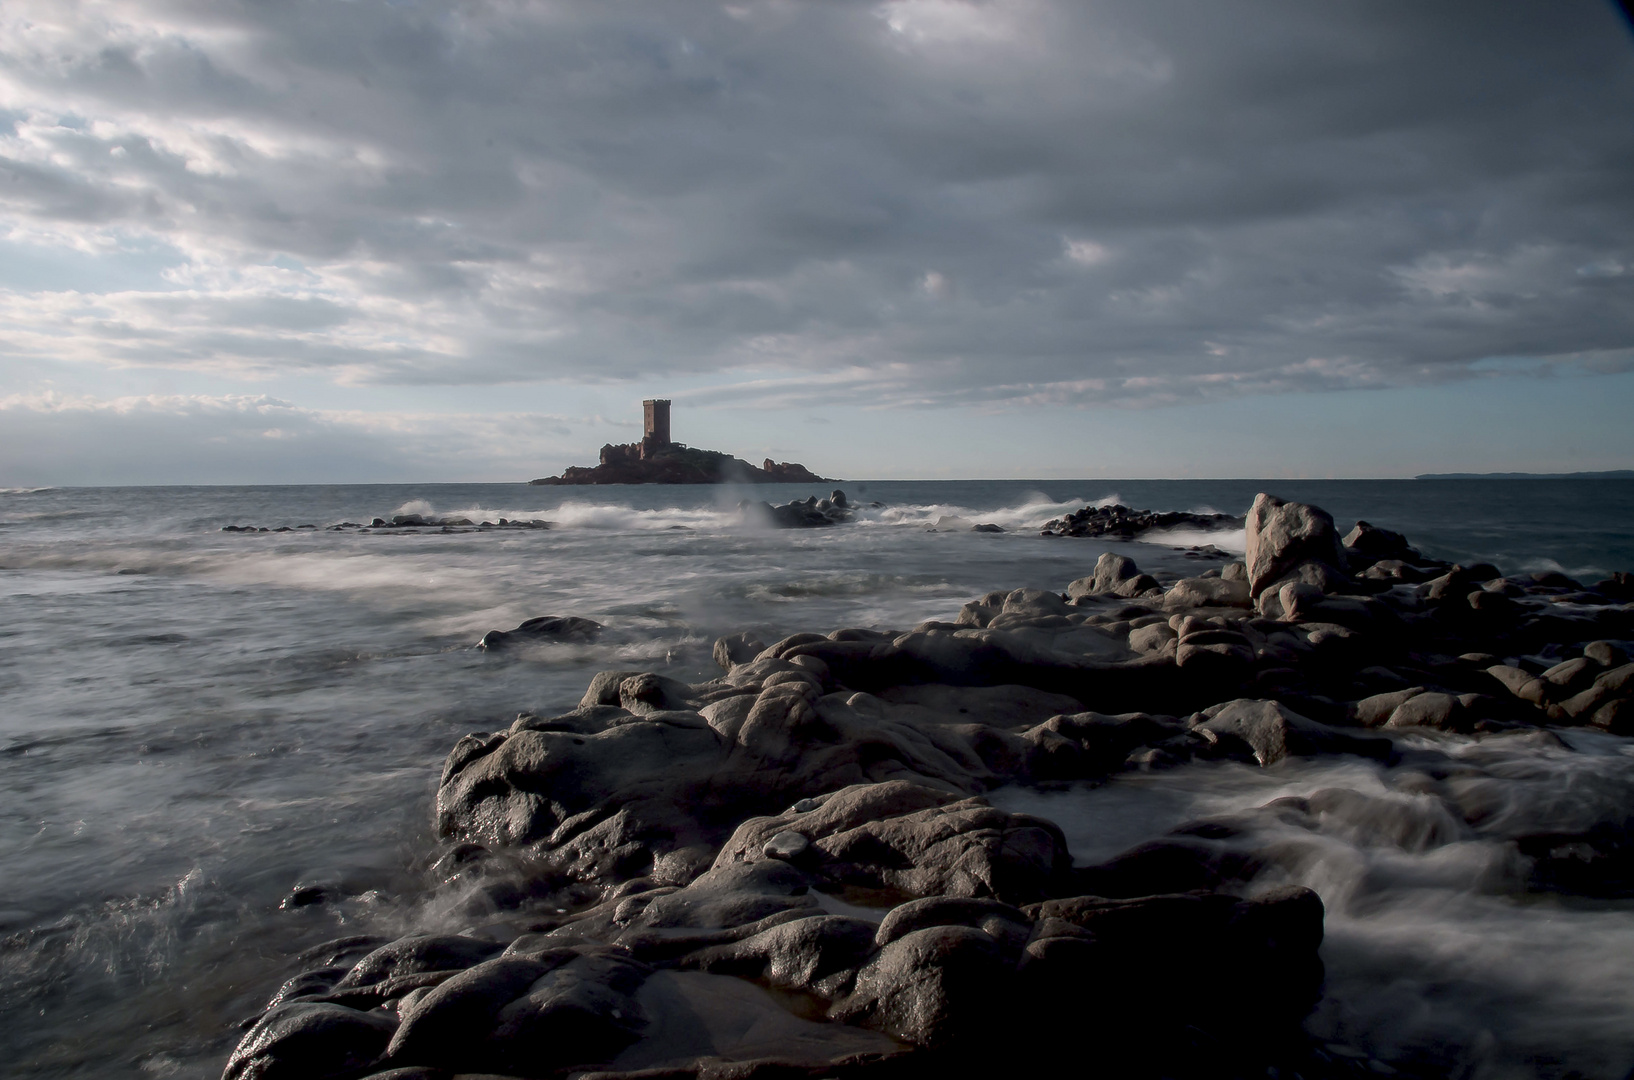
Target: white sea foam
[(1225, 539)]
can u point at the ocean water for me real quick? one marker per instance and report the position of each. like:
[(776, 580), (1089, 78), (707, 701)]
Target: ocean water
[(193, 722)]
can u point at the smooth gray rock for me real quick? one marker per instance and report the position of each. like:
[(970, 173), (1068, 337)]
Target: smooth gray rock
[(1208, 592), (1282, 535), (786, 845), (731, 650)]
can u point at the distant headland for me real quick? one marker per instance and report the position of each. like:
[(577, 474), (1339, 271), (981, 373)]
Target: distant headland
[(656, 459), (1610, 474)]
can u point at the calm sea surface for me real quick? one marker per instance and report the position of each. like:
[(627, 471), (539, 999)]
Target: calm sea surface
[(193, 721)]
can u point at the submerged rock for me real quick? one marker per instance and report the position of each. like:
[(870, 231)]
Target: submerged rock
[(811, 512), (543, 628), (1119, 522)]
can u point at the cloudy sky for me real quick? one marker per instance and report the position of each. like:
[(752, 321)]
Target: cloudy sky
[(308, 240)]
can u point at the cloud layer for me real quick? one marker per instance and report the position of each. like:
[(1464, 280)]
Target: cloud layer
[(257, 439), (932, 203)]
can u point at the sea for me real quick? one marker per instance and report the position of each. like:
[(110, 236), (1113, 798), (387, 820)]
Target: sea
[(194, 722)]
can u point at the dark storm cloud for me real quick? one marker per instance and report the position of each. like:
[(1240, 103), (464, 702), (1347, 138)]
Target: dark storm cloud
[(920, 202)]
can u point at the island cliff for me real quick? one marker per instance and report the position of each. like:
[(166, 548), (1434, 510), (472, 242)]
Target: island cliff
[(656, 459)]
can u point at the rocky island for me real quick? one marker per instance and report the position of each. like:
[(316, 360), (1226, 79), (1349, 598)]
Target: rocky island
[(793, 870), (657, 459)]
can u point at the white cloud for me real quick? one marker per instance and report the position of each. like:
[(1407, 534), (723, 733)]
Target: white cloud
[(1086, 252)]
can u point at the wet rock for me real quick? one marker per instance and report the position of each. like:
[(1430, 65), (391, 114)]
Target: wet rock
[(1605, 653), (1464, 713), (1115, 575), (932, 987), (1597, 862), (1274, 732), (1521, 683), (995, 706), (418, 953), (1101, 741), (544, 628), (1619, 586), (819, 954), (310, 1041), (1458, 581), (1208, 592), (1370, 544), (1119, 522), (730, 894), (807, 513), (1151, 638), (580, 1013), (308, 894), (917, 841), (787, 845), (439, 1028), (701, 1025), (733, 649), (1376, 710), (998, 920)]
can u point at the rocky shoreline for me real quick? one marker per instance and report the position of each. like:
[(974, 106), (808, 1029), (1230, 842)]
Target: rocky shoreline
[(791, 870)]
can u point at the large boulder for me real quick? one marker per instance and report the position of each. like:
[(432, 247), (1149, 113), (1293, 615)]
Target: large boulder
[(1283, 535)]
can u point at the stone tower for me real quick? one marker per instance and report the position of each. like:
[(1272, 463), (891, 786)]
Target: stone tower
[(654, 425)]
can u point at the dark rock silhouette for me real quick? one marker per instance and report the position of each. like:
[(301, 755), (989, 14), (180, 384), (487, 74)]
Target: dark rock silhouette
[(658, 460)]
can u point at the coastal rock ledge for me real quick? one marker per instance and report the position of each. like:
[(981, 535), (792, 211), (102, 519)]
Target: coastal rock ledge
[(791, 870)]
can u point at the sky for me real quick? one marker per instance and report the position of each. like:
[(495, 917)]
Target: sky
[(302, 241)]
